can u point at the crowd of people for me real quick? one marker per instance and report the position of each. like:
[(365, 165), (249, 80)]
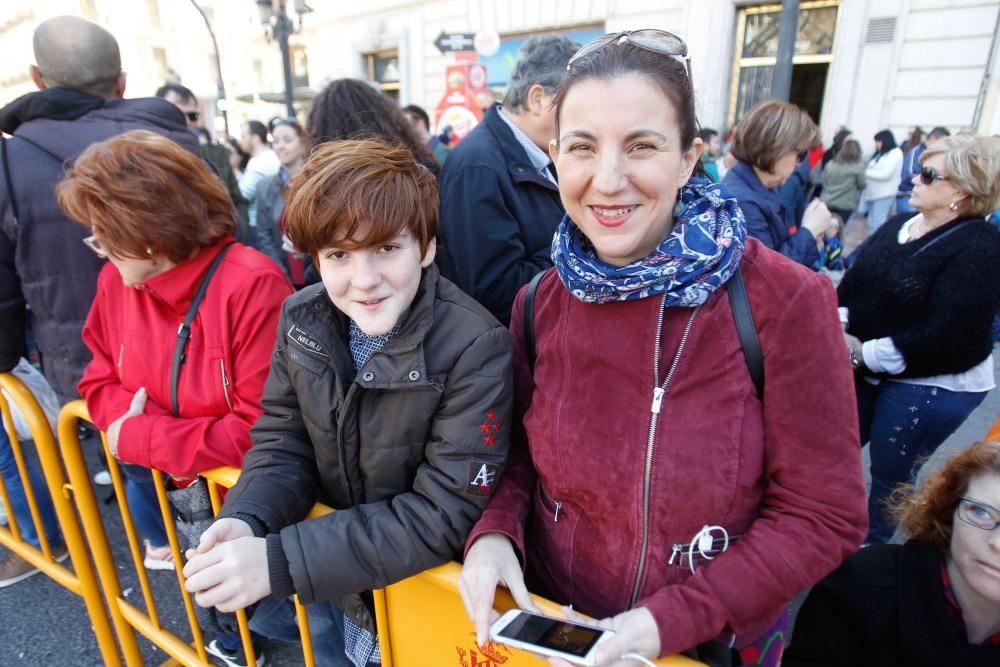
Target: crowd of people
[(593, 351)]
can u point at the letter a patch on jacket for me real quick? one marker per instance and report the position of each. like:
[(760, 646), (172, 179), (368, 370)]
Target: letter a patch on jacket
[(482, 478)]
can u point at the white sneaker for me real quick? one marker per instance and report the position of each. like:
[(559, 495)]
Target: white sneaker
[(102, 478)]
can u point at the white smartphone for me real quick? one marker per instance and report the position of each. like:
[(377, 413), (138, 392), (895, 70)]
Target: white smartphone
[(547, 636)]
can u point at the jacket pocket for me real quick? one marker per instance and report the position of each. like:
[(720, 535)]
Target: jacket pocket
[(550, 546), (305, 361), (225, 384)]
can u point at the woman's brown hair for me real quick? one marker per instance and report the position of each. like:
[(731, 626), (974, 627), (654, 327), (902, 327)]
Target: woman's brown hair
[(144, 195), (927, 511), (360, 193), (770, 130)]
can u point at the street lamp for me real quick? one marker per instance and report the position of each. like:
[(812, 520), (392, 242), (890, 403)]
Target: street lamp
[(279, 26)]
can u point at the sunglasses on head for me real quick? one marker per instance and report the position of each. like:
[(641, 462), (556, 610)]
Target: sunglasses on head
[(193, 116), (929, 174), (649, 39), (95, 245)]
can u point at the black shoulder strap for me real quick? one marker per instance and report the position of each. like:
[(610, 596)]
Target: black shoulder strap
[(6, 178), (942, 236), (528, 320), (747, 331), (184, 331)]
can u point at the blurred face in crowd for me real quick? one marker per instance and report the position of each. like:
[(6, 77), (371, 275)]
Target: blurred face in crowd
[(189, 107), (287, 145), (620, 164), (246, 139), (375, 285), (974, 555), (714, 147)]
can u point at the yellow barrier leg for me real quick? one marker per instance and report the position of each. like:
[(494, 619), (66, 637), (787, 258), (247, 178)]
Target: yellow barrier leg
[(72, 455), (66, 514)]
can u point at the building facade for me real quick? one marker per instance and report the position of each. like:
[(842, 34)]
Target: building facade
[(866, 64)]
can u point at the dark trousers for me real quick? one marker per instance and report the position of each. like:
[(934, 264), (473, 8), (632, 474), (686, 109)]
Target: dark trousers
[(904, 424)]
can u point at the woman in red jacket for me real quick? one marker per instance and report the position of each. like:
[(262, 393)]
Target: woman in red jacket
[(161, 218), (649, 484)]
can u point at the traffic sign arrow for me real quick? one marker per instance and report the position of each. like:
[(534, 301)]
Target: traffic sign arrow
[(455, 41)]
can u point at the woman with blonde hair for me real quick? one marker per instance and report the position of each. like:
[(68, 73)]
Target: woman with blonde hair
[(932, 601), (918, 306)]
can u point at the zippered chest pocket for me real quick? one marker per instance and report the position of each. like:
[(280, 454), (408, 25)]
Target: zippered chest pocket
[(305, 360)]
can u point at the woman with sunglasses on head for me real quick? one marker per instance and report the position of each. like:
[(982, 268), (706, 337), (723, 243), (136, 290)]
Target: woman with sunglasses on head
[(769, 143), (164, 223), (882, 173), (917, 305), (650, 484), (932, 602)]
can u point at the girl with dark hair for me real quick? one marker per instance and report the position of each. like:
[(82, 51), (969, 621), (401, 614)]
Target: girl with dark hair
[(352, 109), (882, 175), (932, 601), (844, 181), (649, 483)]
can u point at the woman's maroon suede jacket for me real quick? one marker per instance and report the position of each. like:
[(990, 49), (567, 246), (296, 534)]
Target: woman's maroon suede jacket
[(783, 478)]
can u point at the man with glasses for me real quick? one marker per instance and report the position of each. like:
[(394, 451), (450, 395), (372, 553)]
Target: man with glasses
[(216, 156), (499, 193)]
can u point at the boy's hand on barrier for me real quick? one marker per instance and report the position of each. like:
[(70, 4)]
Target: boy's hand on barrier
[(230, 576), (222, 530), (491, 560), (635, 632), (137, 407)]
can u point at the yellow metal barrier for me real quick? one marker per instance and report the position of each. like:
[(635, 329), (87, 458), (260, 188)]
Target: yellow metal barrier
[(82, 581), (421, 620), (994, 432)]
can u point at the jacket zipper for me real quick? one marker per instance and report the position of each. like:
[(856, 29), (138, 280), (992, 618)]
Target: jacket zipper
[(654, 411), (225, 383)]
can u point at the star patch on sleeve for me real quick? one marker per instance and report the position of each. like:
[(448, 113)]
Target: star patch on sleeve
[(490, 428)]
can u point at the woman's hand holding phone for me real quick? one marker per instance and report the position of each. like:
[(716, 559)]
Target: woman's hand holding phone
[(635, 632), (491, 560)]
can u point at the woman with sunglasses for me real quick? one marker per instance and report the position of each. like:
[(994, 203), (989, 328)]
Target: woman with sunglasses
[(769, 144), (162, 220), (648, 484), (931, 602), (917, 305)]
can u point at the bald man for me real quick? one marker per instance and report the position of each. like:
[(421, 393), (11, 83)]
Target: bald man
[(43, 263)]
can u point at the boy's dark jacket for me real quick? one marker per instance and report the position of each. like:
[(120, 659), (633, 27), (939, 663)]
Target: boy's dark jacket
[(407, 449)]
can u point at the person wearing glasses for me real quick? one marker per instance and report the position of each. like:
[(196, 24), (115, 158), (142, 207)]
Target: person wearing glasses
[(156, 257), (769, 143), (918, 305), (883, 172), (649, 484), (930, 602)]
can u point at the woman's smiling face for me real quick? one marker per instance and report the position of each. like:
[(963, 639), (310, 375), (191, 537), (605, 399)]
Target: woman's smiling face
[(620, 164)]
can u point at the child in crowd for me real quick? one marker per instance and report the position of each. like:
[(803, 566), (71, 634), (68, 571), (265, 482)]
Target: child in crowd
[(389, 399), (831, 249)]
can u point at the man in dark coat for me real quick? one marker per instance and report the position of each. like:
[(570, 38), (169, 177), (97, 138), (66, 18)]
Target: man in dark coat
[(499, 194), (46, 272)]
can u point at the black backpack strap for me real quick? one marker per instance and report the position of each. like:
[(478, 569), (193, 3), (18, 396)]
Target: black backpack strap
[(6, 178), (528, 320), (184, 331), (747, 331)]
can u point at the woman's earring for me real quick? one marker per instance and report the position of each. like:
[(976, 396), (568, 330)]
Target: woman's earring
[(149, 251), (953, 207)]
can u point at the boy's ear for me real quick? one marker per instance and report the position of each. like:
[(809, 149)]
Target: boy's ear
[(429, 254)]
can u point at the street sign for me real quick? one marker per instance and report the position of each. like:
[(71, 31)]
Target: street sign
[(455, 41)]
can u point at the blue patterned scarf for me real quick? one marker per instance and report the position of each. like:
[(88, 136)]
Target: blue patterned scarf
[(702, 251)]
